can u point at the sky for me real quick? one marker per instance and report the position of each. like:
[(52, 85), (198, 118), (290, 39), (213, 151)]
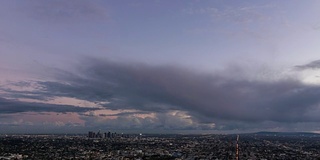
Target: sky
[(159, 66)]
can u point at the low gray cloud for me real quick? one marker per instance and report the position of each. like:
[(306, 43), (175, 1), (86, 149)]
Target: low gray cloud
[(8, 106), (311, 65), (207, 98), (159, 121)]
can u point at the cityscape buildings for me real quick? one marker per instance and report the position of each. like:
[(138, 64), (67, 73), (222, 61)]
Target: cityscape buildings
[(257, 146)]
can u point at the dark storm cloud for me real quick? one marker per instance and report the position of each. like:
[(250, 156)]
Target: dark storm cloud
[(8, 106), (26, 94), (310, 65), (208, 97)]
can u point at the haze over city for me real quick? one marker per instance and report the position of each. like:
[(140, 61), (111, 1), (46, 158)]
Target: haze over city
[(157, 66)]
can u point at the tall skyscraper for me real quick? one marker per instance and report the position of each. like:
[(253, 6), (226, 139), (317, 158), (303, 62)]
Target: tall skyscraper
[(237, 148)]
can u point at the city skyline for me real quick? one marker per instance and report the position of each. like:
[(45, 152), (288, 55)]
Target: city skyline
[(159, 66)]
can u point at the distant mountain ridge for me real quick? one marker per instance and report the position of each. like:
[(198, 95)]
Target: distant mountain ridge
[(288, 133)]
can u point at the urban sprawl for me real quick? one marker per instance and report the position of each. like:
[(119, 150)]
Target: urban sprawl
[(119, 146)]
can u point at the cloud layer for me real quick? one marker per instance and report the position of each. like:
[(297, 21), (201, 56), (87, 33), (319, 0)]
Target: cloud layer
[(207, 98)]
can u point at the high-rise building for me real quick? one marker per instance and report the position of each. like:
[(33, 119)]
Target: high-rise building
[(237, 148), (91, 134), (109, 135), (99, 135)]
